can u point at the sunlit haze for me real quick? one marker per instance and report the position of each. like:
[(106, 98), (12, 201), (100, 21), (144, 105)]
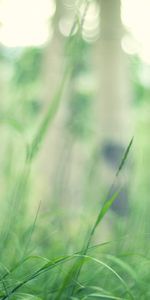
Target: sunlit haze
[(135, 15), (26, 23)]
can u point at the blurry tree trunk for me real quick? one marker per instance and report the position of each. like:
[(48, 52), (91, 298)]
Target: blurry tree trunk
[(56, 151), (113, 94), (62, 158), (52, 72), (52, 58)]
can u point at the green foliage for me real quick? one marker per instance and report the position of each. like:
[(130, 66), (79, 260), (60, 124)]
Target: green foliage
[(46, 254), (79, 118), (27, 66)]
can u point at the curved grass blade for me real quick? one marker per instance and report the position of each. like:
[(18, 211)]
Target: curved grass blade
[(107, 204), (52, 264)]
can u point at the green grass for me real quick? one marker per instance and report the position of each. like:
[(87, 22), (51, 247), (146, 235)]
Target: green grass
[(40, 257)]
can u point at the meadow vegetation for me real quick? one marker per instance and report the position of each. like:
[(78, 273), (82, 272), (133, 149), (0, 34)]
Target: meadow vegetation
[(46, 250)]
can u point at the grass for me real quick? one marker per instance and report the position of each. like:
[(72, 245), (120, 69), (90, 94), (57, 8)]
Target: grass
[(37, 259)]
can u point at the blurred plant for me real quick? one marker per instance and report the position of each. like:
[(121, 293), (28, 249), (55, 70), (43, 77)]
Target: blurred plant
[(33, 264)]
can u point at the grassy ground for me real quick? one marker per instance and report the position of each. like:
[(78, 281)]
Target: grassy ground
[(53, 254)]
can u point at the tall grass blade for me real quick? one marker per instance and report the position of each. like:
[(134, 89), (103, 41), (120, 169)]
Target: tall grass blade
[(107, 204)]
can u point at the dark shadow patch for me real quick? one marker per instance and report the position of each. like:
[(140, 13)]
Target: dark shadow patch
[(113, 153)]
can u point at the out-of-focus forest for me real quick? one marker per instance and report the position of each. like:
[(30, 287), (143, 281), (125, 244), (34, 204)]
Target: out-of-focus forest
[(74, 150)]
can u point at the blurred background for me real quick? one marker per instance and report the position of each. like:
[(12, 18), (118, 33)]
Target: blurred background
[(91, 58)]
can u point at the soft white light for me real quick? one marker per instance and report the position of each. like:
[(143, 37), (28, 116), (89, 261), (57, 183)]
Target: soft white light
[(65, 26), (91, 24), (25, 22), (129, 45), (136, 17)]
